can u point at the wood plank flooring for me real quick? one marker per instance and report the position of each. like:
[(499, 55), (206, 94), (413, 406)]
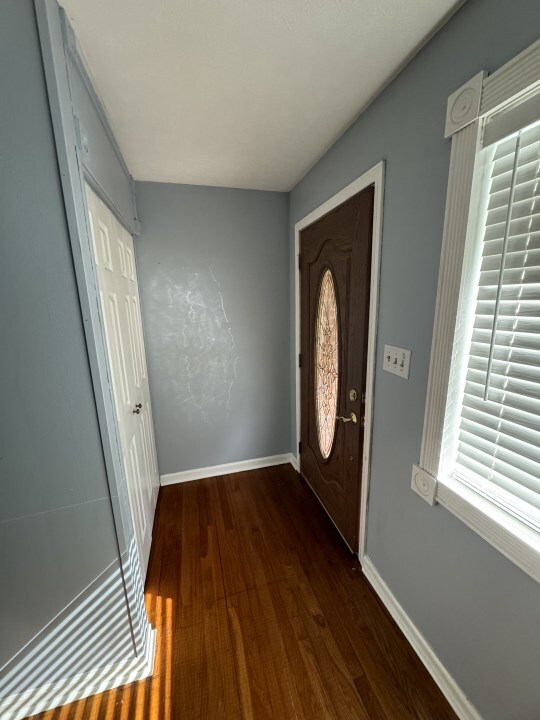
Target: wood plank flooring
[(263, 614)]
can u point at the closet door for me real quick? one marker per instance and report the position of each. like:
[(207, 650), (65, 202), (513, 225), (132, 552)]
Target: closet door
[(120, 303)]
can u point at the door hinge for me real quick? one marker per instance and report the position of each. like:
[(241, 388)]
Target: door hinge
[(363, 397), (299, 448), (363, 422), (299, 261), (299, 360)]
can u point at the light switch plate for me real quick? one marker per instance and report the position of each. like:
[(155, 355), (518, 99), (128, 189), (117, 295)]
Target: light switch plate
[(397, 361)]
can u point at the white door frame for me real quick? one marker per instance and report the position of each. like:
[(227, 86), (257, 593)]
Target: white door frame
[(374, 176)]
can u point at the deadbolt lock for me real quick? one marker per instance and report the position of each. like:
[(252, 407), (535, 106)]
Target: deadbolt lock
[(353, 395)]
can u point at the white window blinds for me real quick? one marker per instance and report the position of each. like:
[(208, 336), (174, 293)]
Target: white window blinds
[(497, 441)]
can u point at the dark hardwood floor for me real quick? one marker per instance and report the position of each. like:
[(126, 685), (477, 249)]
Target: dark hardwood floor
[(262, 613)]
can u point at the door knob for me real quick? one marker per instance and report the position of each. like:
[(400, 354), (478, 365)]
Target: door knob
[(352, 418)]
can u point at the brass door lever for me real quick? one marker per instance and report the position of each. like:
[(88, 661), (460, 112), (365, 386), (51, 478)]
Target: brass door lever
[(352, 418)]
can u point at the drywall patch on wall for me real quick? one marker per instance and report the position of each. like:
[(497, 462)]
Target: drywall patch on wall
[(203, 358)]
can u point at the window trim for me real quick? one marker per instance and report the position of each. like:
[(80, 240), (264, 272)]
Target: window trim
[(468, 109)]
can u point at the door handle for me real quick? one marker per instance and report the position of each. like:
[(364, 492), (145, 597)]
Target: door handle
[(352, 418)]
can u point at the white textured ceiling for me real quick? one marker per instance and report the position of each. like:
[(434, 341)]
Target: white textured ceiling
[(242, 93)]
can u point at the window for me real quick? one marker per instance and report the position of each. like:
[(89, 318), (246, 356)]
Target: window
[(326, 364), (491, 439), (480, 455)]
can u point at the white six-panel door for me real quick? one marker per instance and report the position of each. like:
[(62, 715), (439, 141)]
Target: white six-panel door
[(119, 292)]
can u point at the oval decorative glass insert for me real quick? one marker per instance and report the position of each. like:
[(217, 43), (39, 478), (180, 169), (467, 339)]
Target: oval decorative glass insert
[(326, 364)]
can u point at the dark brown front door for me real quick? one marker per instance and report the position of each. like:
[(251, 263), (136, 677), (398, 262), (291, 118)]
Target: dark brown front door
[(335, 264)]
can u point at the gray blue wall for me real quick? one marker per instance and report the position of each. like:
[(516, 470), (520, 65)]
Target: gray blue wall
[(105, 167), (56, 526), (216, 269), (214, 276), (480, 613)]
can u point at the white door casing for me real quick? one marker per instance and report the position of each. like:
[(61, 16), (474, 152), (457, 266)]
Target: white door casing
[(375, 176), (119, 293)]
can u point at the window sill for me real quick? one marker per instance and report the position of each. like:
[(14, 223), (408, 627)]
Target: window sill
[(518, 542)]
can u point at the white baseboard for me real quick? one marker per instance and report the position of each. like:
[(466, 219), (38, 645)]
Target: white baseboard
[(461, 705), (215, 470), (47, 697)]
